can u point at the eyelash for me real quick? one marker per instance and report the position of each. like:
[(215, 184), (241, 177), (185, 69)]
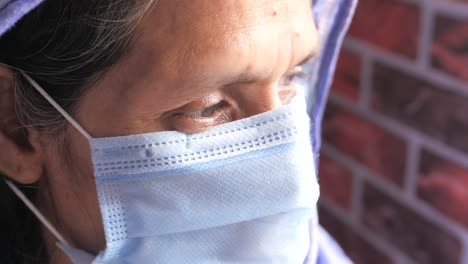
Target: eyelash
[(298, 72), (205, 112), (214, 111)]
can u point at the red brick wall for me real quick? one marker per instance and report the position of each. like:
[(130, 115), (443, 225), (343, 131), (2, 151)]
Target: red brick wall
[(394, 165)]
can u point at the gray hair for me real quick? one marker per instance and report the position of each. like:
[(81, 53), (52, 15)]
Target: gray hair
[(66, 46)]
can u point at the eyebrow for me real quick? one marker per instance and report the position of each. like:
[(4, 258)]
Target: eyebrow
[(312, 53), (248, 78)]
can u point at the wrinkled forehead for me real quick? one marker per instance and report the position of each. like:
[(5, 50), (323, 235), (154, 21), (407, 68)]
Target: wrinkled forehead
[(220, 23), (201, 11), (206, 40)]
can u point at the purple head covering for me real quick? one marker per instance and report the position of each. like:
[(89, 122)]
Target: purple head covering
[(13, 10), (333, 18)]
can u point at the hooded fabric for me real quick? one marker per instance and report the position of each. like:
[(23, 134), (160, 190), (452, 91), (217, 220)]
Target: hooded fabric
[(332, 19), (13, 10)]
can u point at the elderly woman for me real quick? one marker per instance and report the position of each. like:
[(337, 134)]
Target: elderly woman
[(170, 131)]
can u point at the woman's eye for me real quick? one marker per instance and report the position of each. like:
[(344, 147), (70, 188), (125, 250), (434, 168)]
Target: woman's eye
[(207, 113), (203, 113), (291, 77), (191, 121)]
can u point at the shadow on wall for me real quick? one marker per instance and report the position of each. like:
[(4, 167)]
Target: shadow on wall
[(394, 165)]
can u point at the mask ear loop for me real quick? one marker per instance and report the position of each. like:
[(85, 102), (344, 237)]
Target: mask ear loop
[(15, 189), (36, 212), (56, 106)]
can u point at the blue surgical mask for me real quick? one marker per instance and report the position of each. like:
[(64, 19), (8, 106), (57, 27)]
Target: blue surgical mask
[(242, 192)]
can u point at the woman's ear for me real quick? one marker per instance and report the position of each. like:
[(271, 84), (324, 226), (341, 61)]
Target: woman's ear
[(20, 153)]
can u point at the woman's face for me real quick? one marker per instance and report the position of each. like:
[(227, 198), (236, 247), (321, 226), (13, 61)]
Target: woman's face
[(195, 64)]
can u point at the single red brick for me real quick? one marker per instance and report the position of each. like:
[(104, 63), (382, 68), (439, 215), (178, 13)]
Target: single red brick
[(357, 248), (348, 75), (450, 47), (418, 104), (444, 185), (366, 143), (418, 237), (335, 182), (389, 24)]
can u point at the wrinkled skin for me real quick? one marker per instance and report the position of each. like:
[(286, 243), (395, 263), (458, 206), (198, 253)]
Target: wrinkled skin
[(196, 64)]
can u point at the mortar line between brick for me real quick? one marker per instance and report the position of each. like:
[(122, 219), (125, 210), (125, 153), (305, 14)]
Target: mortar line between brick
[(386, 247), (413, 159), (405, 132), (366, 81), (436, 78), (412, 2), (426, 36), (419, 207), (451, 8)]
